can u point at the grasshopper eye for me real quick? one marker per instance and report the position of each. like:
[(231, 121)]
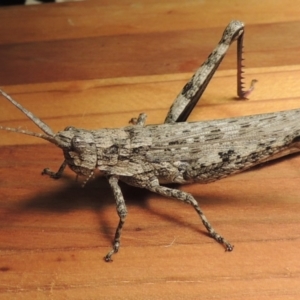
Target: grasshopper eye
[(78, 143)]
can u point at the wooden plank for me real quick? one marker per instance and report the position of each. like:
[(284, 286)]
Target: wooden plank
[(155, 53), (93, 18), (95, 64)]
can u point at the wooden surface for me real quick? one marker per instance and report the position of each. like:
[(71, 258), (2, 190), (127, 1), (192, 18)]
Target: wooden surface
[(96, 64)]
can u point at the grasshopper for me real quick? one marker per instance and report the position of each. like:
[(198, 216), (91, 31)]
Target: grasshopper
[(148, 156)]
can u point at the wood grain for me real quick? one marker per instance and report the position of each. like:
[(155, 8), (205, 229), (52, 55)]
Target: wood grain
[(96, 64)]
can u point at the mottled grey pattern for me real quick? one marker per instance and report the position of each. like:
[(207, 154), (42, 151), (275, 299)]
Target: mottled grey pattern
[(193, 90), (148, 156)]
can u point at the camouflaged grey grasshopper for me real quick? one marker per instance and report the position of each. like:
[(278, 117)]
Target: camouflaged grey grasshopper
[(177, 151)]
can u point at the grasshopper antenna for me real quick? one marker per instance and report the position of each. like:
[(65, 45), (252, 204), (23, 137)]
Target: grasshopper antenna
[(49, 135)]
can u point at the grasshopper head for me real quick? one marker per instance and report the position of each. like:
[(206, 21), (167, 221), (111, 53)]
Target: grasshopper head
[(79, 149), (77, 144)]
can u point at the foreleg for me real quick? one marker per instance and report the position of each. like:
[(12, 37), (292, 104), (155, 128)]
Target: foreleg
[(55, 175), (122, 212)]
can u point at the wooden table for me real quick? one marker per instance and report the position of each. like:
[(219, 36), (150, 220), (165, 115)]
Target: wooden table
[(95, 64)]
